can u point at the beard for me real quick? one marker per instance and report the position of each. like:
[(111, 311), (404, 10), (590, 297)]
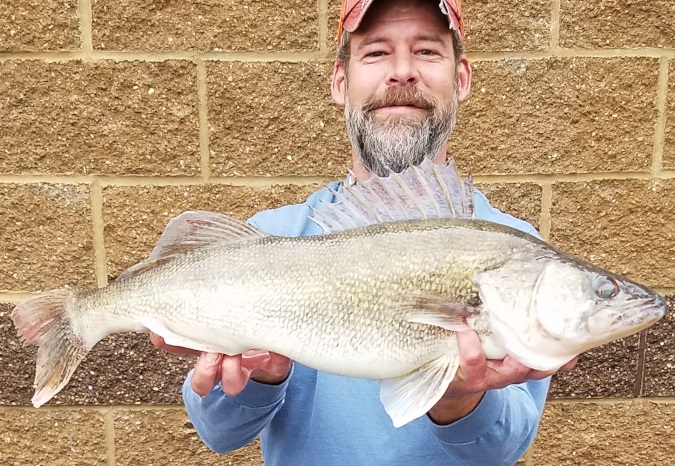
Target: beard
[(392, 143)]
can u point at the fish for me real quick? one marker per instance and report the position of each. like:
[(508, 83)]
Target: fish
[(402, 265)]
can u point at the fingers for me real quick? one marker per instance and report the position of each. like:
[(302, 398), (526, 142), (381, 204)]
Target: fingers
[(274, 371), (570, 365), (156, 340), (234, 372), (279, 364), (508, 371), (471, 357), (255, 359), (206, 374), (234, 375), (539, 375), (212, 368), (476, 373)]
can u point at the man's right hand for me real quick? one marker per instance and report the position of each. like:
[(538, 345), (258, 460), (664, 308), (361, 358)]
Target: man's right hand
[(233, 371)]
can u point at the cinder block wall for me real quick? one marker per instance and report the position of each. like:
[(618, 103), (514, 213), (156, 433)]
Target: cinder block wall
[(117, 115)]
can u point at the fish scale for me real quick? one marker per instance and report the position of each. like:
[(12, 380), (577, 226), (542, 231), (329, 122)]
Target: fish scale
[(380, 295), (361, 294)]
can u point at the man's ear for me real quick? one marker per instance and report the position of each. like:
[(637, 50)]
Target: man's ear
[(337, 85), (463, 78)]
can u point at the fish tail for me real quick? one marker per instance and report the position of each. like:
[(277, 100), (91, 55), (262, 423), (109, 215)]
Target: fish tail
[(43, 321)]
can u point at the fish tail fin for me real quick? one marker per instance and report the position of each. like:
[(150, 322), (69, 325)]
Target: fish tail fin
[(43, 321)]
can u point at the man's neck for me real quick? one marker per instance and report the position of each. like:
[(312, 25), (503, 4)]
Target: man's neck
[(361, 173)]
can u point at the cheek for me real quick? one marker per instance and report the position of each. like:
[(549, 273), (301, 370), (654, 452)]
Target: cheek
[(561, 298), (556, 314), (362, 85), (441, 83)]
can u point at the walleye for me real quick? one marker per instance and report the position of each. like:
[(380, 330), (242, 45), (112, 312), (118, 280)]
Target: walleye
[(401, 267)]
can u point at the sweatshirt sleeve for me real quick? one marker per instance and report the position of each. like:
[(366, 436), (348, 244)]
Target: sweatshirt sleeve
[(501, 428), (226, 423)]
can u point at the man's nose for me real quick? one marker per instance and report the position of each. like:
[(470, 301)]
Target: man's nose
[(403, 72)]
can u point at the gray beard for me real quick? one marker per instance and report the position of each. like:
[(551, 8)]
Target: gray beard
[(396, 143)]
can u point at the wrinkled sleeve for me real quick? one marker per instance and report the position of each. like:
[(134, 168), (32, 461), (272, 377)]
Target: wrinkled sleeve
[(501, 428), (226, 423)]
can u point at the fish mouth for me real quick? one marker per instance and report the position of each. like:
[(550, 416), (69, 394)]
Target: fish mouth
[(645, 312), (654, 307), (634, 315)]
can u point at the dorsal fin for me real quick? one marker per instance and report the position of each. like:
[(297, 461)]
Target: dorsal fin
[(426, 191), (192, 231)]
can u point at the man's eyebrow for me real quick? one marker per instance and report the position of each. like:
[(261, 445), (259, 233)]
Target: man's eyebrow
[(371, 41), (426, 38), (418, 38)]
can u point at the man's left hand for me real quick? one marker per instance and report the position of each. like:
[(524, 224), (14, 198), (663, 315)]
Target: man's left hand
[(476, 375)]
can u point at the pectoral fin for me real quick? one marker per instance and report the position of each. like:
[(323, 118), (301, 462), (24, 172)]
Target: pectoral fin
[(411, 396), (436, 310)]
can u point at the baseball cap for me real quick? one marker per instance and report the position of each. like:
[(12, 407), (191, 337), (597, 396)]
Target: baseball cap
[(353, 12)]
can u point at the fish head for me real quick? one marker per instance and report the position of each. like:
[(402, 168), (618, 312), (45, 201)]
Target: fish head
[(585, 305), (546, 307)]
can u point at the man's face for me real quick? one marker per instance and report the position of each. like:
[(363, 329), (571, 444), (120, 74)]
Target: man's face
[(401, 86)]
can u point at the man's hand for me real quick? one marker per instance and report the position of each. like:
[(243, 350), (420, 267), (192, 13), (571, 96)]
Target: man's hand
[(233, 371), (476, 375)]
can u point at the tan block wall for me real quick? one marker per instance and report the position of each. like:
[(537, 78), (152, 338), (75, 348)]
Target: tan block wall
[(117, 115)]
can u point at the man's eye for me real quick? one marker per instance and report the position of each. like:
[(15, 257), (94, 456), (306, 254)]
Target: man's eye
[(378, 53), (427, 52)]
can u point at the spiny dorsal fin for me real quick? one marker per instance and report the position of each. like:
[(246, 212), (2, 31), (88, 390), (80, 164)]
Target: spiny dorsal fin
[(427, 191), (192, 231)]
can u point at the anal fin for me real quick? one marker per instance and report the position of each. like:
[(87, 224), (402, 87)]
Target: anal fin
[(413, 395), (174, 339)]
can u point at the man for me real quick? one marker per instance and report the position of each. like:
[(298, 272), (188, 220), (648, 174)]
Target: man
[(400, 74)]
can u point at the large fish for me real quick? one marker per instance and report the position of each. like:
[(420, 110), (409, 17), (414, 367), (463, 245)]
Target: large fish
[(402, 266)]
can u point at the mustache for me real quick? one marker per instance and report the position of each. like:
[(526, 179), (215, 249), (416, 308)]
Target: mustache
[(410, 96)]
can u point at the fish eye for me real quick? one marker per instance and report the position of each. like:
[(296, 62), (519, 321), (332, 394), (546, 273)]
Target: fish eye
[(605, 287)]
